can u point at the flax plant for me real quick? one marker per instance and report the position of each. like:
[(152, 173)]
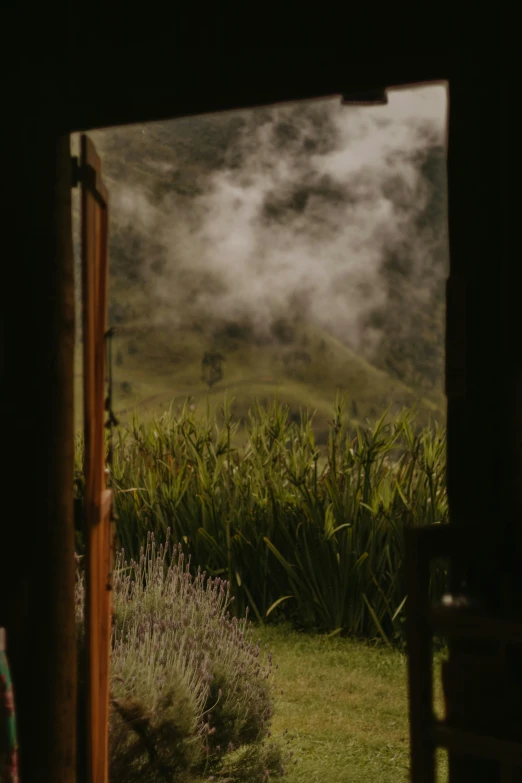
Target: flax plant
[(302, 533)]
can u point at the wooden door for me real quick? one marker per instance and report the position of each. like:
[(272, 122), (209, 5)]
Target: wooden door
[(94, 233)]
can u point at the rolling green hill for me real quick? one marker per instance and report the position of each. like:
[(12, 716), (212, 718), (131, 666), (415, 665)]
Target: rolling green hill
[(154, 367)]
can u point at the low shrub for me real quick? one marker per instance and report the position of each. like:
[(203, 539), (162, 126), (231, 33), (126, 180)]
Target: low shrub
[(190, 690)]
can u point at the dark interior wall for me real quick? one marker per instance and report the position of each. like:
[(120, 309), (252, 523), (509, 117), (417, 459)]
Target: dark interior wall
[(37, 540), (484, 367), (483, 336), (71, 86)]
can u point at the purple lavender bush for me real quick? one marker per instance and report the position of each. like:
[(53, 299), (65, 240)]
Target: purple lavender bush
[(190, 690)]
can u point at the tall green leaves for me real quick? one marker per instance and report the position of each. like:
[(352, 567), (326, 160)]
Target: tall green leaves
[(313, 535)]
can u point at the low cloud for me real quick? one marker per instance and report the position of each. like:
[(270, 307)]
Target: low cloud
[(299, 220)]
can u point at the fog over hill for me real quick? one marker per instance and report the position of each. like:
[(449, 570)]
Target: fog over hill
[(314, 212)]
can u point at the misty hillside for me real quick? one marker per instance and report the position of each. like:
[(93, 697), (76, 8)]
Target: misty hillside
[(157, 367), (305, 244)]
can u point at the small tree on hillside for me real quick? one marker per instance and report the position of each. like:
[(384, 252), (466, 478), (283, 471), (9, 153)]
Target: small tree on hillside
[(211, 368)]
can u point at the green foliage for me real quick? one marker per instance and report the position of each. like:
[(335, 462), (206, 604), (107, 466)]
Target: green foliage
[(301, 533)]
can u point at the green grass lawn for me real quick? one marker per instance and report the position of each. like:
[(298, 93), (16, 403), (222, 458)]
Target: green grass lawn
[(346, 703)]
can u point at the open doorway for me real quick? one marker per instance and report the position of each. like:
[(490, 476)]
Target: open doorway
[(297, 250)]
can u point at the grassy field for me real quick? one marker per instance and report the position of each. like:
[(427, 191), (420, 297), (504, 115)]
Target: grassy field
[(345, 706), (154, 367), (346, 703)]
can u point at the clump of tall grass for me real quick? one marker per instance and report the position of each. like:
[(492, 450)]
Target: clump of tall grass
[(190, 690), (301, 533)]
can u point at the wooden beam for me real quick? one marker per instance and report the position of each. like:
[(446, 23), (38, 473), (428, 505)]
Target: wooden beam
[(153, 92)]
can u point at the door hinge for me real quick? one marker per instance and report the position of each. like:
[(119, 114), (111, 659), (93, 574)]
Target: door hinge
[(76, 172), (84, 175)]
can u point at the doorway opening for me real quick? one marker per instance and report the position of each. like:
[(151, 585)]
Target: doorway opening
[(267, 265)]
